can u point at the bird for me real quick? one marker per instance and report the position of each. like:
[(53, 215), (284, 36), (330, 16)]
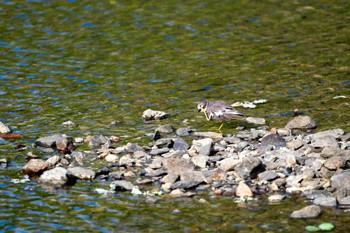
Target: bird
[(219, 111)]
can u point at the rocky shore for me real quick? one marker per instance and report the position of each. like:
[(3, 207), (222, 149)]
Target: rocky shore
[(184, 162)]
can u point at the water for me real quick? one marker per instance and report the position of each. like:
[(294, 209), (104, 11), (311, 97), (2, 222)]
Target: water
[(95, 62)]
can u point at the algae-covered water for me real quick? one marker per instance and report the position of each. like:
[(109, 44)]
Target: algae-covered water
[(100, 64)]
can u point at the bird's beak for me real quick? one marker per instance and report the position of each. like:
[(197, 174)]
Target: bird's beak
[(199, 110)]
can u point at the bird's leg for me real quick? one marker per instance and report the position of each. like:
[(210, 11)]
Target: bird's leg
[(206, 116), (222, 124)]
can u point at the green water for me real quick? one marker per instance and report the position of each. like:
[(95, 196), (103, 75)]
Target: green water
[(95, 62)]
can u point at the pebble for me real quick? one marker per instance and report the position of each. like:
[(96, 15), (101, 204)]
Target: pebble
[(311, 211)]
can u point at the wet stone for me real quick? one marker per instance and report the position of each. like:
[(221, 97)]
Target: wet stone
[(165, 129), (82, 173), (49, 141), (311, 211), (150, 114), (121, 185), (35, 166), (57, 176), (4, 129), (97, 141)]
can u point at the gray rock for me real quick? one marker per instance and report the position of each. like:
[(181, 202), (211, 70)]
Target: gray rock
[(326, 141), (336, 133), (159, 151), (97, 141), (126, 161), (166, 129), (257, 133), (164, 142), (65, 144), (330, 151), (193, 176), (57, 176), (325, 201), (49, 141), (344, 202), (35, 166), (4, 129), (182, 132), (185, 184), (132, 147), (302, 123), (256, 120), (244, 135), (228, 164), (232, 140), (121, 185), (82, 173), (335, 163), (249, 168), (203, 146), (150, 114), (170, 178), (213, 135), (274, 140), (311, 211), (157, 172), (341, 183), (294, 181), (268, 175), (52, 161), (295, 144), (180, 144), (112, 158), (178, 165), (200, 161)]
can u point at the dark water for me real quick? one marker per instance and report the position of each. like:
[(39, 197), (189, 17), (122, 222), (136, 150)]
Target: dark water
[(95, 62)]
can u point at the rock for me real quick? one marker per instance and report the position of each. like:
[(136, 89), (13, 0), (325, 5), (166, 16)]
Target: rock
[(326, 141), (328, 151), (97, 141), (213, 135), (54, 160), (185, 184), (311, 211), (274, 140), (295, 144), (65, 144), (111, 158), (178, 165), (182, 132), (341, 183), (228, 164), (164, 142), (193, 176), (268, 175), (35, 166), (49, 141), (325, 201), (121, 185), (336, 133), (82, 173), (57, 176), (256, 120), (155, 173), (150, 114), (335, 163), (3, 163), (132, 147), (344, 202), (166, 129), (276, 198), (249, 168), (170, 178), (159, 151), (126, 161), (203, 146), (301, 123), (4, 129), (243, 190), (200, 161), (180, 144)]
